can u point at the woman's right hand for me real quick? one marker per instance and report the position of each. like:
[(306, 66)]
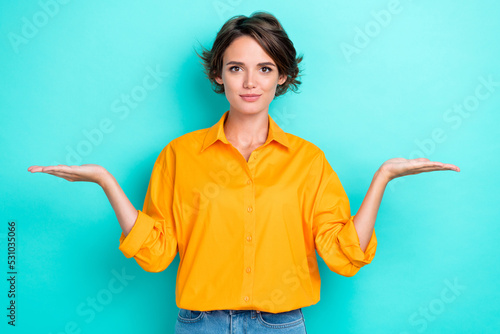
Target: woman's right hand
[(86, 172)]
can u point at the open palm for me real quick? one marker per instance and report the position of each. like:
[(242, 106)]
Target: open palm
[(398, 167), (86, 172)]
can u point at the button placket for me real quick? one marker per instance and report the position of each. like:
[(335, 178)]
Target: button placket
[(249, 230)]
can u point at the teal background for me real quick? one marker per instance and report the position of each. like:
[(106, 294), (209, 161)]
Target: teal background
[(377, 103)]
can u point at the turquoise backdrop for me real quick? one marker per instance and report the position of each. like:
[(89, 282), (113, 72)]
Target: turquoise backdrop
[(381, 79)]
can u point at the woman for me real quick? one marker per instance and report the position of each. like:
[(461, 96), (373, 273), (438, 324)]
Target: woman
[(245, 204)]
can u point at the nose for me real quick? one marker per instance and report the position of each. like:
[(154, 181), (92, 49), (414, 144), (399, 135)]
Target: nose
[(249, 80)]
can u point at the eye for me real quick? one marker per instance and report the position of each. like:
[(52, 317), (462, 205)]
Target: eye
[(269, 69), (231, 68)]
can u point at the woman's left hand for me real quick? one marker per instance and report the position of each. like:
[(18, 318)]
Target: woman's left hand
[(398, 167)]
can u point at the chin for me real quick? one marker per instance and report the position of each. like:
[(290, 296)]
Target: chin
[(250, 109)]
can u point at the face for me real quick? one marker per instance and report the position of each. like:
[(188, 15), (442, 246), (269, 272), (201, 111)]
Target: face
[(248, 70)]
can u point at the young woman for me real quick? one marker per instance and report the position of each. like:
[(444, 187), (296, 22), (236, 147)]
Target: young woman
[(245, 204)]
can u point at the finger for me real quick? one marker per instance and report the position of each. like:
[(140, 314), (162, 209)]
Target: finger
[(418, 165), (430, 169), (432, 164), (61, 174), (438, 166), (444, 166), (452, 167), (58, 168), (36, 168), (67, 178)]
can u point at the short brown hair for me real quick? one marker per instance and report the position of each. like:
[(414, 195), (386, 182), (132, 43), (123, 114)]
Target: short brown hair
[(271, 36)]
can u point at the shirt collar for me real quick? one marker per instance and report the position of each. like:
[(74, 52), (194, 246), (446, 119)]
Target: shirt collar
[(216, 132)]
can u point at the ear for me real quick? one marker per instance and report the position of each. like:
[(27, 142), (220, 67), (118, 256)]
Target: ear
[(218, 79), (282, 79)]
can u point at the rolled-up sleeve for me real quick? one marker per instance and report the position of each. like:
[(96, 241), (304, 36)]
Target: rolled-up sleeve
[(152, 240), (335, 235)]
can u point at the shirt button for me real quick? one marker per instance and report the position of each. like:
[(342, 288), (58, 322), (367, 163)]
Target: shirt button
[(249, 209), (249, 181), (248, 269), (246, 298), (249, 238)]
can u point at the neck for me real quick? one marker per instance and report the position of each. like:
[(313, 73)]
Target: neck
[(246, 130)]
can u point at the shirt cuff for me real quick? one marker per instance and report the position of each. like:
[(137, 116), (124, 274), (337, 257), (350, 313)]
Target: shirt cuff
[(349, 242), (131, 244)]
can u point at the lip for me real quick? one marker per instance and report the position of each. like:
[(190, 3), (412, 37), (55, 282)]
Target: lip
[(250, 97)]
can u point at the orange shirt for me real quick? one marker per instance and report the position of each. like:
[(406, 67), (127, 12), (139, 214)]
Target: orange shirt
[(246, 232)]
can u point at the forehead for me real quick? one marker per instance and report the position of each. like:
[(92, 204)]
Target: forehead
[(245, 49)]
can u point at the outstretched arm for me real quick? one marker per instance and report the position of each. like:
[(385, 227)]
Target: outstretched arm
[(124, 210), (364, 220)]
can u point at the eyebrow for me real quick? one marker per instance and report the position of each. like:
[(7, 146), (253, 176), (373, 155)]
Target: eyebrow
[(240, 63)]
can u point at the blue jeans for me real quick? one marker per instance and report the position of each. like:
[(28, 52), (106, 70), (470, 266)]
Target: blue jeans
[(239, 322)]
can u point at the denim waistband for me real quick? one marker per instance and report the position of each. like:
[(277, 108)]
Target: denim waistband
[(233, 311)]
